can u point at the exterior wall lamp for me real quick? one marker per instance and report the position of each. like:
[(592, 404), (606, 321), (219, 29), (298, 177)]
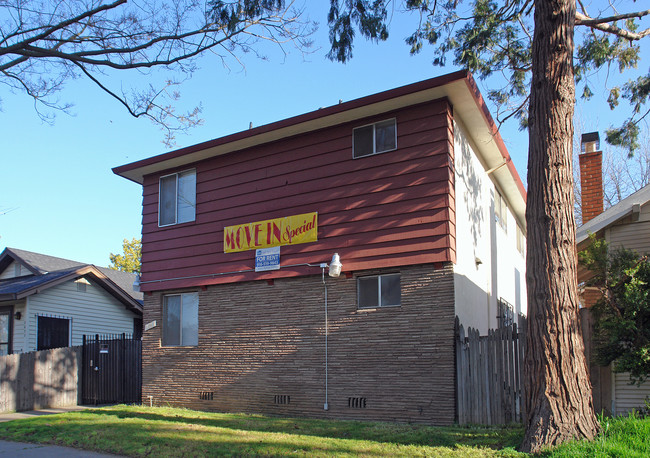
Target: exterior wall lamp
[(335, 266)]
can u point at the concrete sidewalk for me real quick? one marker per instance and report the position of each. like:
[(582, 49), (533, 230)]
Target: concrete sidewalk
[(36, 413), (24, 450)]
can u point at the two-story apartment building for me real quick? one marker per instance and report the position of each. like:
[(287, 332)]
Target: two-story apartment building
[(412, 190)]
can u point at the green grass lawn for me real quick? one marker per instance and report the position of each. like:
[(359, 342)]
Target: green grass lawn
[(159, 432)]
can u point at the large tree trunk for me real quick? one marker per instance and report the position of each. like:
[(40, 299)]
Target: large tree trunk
[(558, 392)]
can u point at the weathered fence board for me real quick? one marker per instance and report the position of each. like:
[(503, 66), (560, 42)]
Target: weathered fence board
[(39, 379), (488, 375)]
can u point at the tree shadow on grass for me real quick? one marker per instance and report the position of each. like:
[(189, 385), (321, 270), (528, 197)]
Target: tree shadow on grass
[(401, 434)]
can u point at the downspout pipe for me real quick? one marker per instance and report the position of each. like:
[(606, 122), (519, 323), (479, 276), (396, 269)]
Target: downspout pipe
[(326, 405)]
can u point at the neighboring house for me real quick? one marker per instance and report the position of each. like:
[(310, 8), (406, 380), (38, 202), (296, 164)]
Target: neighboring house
[(412, 188), (626, 224), (48, 302)]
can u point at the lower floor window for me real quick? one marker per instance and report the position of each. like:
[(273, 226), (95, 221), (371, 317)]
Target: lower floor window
[(52, 333), (181, 320), (379, 291)]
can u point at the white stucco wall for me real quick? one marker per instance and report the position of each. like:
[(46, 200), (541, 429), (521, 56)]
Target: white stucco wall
[(90, 312), (501, 272)]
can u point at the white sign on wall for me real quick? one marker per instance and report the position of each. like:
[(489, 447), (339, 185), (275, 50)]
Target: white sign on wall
[(267, 259)]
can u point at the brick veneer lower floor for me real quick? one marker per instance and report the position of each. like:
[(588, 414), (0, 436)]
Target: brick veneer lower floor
[(262, 349)]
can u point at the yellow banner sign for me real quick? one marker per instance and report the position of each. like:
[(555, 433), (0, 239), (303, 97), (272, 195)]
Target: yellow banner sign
[(289, 230)]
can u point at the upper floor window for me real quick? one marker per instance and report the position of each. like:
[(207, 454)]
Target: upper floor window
[(500, 211), (180, 320), (374, 138), (379, 291), (521, 240), (177, 202)]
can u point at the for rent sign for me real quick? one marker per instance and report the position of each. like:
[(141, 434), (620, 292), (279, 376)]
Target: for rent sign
[(289, 230)]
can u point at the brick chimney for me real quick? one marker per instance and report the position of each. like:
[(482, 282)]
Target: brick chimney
[(591, 176)]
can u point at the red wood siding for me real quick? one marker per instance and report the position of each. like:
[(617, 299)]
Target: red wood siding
[(391, 209)]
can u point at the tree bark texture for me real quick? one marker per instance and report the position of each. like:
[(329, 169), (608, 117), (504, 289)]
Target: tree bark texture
[(558, 391)]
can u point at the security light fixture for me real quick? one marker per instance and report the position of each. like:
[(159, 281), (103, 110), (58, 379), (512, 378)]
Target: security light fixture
[(335, 266)]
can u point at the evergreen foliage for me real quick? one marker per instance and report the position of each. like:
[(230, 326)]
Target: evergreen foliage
[(494, 37)]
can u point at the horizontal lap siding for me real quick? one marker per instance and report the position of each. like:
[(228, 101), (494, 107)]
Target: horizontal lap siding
[(91, 312), (385, 210), (633, 236)]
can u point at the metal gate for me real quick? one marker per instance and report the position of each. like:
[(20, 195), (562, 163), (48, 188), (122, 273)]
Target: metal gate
[(111, 370)]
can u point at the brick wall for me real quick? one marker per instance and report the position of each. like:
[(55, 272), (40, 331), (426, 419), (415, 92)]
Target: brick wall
[(258, 341), (591, 184)]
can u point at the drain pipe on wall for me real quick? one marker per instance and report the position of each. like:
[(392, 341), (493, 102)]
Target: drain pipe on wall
[(326, 405), (335, 267)]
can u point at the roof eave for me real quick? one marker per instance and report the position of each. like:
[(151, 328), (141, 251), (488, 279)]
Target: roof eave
[(105, 282), (458, 87), (583, 231)]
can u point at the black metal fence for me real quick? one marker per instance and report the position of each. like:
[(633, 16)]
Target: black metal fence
[(111, 370)]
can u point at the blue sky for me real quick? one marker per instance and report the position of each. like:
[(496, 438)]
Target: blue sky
[(61, 197)]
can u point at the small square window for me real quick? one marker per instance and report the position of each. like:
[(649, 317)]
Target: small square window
[(52, 333), (177, 198), (379, 291), (181, 320), (375, 138)]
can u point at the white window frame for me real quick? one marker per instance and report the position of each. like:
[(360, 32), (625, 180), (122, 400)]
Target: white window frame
[(374, 138), (379, 277), (521, 240), (500, 210), (180, 321), (160, 198)]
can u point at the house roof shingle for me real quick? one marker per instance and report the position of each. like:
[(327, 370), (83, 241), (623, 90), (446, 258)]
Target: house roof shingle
[(50, 270), (613, 214)]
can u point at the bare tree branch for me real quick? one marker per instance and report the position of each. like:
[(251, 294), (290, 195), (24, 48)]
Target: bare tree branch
[(44, 43), (604, 24)]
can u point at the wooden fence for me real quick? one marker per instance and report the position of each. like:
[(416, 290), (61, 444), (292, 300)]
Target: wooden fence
[(489, 375), (39, 379)]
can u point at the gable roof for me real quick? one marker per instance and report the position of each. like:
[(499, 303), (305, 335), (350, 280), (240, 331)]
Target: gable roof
[(458, 87), (49, 271), (613, 214), (37, 263)]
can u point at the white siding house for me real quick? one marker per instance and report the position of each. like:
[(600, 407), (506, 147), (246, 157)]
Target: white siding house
[(47, 302)]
